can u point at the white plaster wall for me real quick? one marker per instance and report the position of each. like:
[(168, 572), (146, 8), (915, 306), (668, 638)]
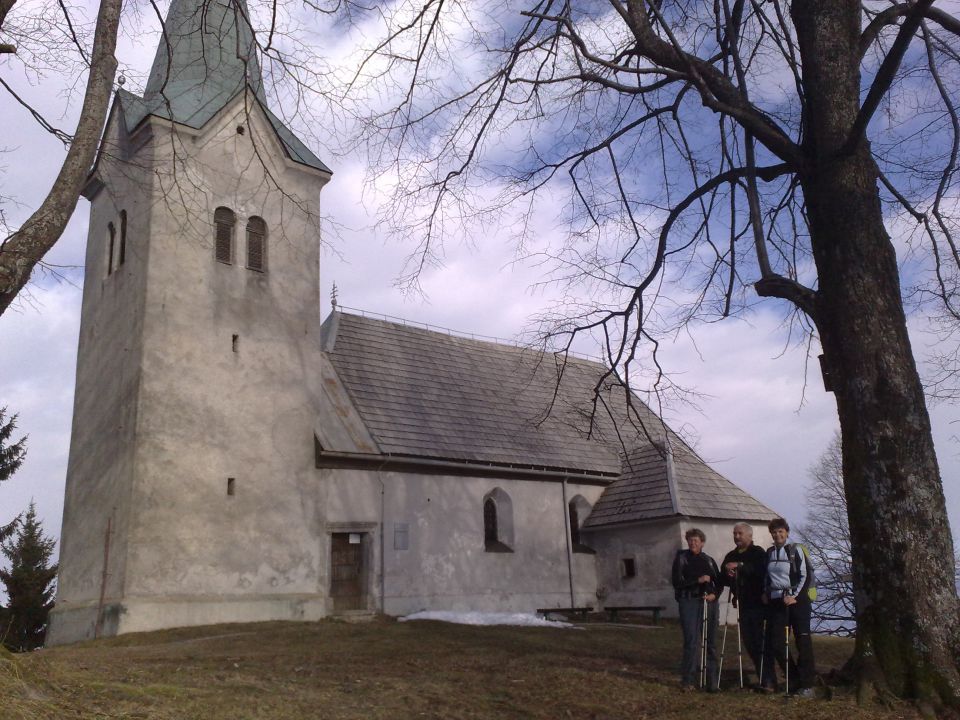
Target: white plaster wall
[(100, 468), (204, 413), (209, 413), (445, 566)]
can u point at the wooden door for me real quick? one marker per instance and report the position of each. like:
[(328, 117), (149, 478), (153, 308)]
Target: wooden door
[(346, 570)]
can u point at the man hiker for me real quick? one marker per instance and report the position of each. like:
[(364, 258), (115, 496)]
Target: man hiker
[(743, 570), (696, 579), (787, 588)]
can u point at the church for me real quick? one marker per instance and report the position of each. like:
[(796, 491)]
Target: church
[(236, 458)]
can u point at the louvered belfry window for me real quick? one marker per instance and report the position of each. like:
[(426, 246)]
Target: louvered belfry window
[(257, 244), (224, 221)]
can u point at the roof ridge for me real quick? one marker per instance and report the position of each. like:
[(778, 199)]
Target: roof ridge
[(462, 334)]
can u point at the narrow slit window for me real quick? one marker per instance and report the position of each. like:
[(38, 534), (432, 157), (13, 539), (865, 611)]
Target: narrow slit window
[(123, 238), (578, 510), (235, 343), (490, 530), (257, 244), (628, 567), (113, 239), (574, 523), (231, 486), (224, 222)]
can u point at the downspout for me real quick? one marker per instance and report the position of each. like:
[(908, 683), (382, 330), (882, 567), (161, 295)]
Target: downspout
[(566, 525), (383, 557)]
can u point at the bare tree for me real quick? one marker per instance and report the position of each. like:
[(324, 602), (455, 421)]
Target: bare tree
[(25, 247), (826, 534), (707, 151)]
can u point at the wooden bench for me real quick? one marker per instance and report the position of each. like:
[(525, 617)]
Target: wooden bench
[(614, 612), (581, 611)]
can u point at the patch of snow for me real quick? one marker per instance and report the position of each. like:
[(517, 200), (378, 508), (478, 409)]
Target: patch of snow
[(486, 618)]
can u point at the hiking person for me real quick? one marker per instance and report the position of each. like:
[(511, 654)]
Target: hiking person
[(743, 570), (696, 579), (789, 589)]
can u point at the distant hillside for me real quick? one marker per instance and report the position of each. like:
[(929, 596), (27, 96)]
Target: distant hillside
[(383, 669)]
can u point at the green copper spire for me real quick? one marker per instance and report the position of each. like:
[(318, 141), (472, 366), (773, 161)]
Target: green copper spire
[(206, 56)]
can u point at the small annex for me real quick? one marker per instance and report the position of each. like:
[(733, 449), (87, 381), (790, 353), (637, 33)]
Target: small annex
[(234, 458)]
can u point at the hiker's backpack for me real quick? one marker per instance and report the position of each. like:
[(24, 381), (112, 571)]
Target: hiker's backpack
[(810, 586)]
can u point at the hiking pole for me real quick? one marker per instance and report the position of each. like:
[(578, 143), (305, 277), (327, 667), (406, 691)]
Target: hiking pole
[(763, 649), (703, 644), (723, 644), (739, 646), (786, 637)]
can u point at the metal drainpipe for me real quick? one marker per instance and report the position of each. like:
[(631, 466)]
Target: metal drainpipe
[(566, 525), (383, 559)]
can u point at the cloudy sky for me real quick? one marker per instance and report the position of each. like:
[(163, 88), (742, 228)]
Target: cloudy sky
[(762, 418)]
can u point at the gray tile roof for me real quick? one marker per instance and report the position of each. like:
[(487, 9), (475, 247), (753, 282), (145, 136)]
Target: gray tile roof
[(428, 394), (207, 56), (645, 490)]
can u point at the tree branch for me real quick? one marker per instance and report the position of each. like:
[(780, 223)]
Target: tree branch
[(886, 73), (717, 92), (20, 252), (781, 287)]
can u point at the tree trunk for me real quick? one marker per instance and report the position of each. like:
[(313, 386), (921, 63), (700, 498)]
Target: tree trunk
[(907, 622), (902, 547), (20, 252)]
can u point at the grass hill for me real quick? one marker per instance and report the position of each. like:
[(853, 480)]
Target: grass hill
[(385, 669)]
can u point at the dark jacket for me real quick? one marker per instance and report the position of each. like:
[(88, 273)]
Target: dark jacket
[(747, 586), (687, 568)]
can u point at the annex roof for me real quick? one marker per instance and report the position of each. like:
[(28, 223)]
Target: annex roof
[(207, 55), (429, 394), (659, 482)]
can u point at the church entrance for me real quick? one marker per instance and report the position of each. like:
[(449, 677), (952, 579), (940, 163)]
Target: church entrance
[(347, 552)]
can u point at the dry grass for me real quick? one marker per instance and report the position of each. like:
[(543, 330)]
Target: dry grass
[(385, 669)]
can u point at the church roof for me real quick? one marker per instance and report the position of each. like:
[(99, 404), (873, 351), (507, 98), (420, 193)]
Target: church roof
[(655, 484), (428, 394), (206, 57)]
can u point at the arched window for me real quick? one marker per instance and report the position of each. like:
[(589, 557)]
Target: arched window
[(497, 522), (224, 221), (113, 237), (490, 532), (578, 509), (256, 244), (123, 238), (574, 523)]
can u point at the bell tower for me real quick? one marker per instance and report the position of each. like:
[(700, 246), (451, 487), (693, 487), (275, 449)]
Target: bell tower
[(188, 497)]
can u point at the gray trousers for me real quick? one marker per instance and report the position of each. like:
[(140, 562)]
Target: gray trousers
[(691, 623)]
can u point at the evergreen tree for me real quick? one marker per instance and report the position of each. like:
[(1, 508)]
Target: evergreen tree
[(11, 457), (29, 584)]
